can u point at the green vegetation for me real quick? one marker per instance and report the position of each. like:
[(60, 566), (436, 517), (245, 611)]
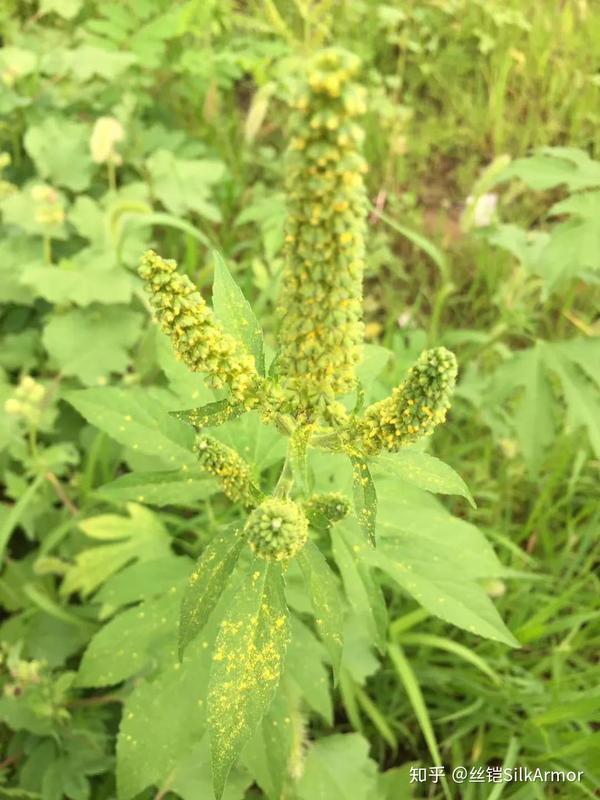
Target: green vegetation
[(311, 664)]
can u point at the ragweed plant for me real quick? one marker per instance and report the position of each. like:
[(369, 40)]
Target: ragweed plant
[(312, 395)]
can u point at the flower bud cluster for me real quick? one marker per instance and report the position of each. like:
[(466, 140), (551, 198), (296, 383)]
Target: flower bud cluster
[(197, 338), (321, 329), (277, 530), (414, 408), (334, 506), (229, 468), (27, 401)]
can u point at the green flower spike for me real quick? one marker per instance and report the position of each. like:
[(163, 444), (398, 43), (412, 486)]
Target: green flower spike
[(321, 330), (229, 468), (334, 506), (277, 530), (197, 338), (414, 408)]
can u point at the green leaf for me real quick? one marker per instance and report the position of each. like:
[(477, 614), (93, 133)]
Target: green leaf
[(441, 589), (70, 282), (247, 664), (267, 754), (94, 343), (534, 414), (322, 588), (163, 718), (209, 415), (141, 536), (553, 166), (141, 581), (177, 488), (133, 418), (583, 405), (305, 670), (59, 148), (127, 643), (184, 185), (424, 471), (234, 312), (338, 768), (363, 593), (365, 497), (206, 584)]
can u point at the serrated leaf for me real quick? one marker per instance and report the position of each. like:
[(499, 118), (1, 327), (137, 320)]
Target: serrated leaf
[(207, 583), (339, 768), (178, 488), (234, 312), (135, 419), (364, 595), (424, 471), (59, 149), (267, 754), (534, 414), (94, 343), (210, 415), (184, 185), (583, 405), (128, 642), (322, 589), (305, 669), (74, 284), (365, 497), (553, 166), (141, 536), (247, 664)]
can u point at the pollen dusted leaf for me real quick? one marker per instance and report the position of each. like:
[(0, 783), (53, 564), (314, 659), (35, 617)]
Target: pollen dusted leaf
[(210, 415), (234, 312), (160, 488), (424, 471), (365, 497), (135, 419), (322, 588), (206, 584), (247, 664)]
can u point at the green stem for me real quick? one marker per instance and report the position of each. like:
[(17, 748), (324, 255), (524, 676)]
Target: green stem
[(47, 250), (286, 478)]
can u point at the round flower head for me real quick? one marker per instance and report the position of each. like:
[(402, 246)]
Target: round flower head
[(198, 339), (414, 408), (321, 299), (277, 530)]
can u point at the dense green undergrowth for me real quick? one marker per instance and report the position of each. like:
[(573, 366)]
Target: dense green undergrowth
[(149, 124)]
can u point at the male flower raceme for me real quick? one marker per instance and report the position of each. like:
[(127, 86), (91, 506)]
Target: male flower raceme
[(321, 330), (197, 338), (229, 468), (413, 409)]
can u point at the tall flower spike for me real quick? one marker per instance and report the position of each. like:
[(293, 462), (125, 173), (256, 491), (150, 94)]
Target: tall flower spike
[(321, 330), (414, 408), (229, 468), (197, 338)]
